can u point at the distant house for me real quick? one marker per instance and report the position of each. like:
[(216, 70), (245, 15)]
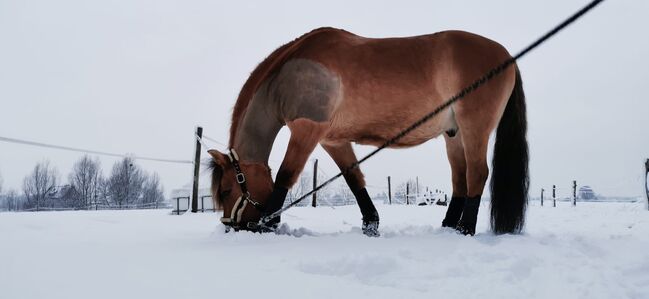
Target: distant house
[(587, 193)]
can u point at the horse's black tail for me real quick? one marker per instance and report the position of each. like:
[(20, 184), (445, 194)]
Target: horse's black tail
[(509, 177)]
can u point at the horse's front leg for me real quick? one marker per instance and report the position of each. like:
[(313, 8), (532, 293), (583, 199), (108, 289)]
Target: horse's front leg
[(305, 135), (344, 156)]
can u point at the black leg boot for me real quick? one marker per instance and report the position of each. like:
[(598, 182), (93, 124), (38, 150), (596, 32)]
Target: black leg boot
[(469, 216), (454, 212), (370, 215), (275, 203)]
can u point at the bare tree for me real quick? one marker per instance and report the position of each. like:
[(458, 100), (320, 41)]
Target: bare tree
[(300, 187), (346, 194), (11, 201), (103, 192), (40, 184), (1, 184), (84, 178), (125, 182), (152, 192)]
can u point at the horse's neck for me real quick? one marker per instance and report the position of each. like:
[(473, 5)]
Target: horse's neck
[(258, 127)]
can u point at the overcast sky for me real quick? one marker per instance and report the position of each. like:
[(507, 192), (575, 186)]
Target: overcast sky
[(137, 76)]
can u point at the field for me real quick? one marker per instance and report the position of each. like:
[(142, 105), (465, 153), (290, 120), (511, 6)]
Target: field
[(594, 250)]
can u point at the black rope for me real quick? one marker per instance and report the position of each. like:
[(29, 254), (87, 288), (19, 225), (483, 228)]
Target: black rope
[(464, 92)]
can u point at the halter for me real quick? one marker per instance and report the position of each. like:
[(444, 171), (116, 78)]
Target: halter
[(242, 202)]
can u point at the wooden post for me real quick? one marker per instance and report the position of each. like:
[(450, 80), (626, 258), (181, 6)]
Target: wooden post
[(197, 166), (554, 196), (542, 196), (315, 181), (574, 193), (407, 192), (389, 191), (646, 180)]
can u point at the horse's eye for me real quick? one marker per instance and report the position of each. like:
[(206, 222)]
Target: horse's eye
[(225, 193)]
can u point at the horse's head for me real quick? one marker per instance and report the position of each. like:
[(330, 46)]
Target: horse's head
[(240, 188)]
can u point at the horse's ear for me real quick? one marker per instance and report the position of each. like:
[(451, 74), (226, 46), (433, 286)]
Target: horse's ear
[(220, 159)]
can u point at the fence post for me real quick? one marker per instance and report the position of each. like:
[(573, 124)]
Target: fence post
[(177, 205), (574, 193), (407, 193), (197, 166), (389, 191), (542, 196), (315, 181), (646, 180), (554, 196)]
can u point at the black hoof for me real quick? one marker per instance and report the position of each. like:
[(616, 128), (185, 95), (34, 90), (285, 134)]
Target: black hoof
[(466, 228), (454, 212), (371, 228), (268, 228), (274, 222), (467, 223), (451, 224)]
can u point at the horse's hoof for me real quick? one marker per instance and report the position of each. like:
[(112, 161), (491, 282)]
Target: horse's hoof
[(371, 228), (451, 224), (466, 228), (267, 228)]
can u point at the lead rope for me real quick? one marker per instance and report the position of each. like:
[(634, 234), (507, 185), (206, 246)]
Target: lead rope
[(464, 92)]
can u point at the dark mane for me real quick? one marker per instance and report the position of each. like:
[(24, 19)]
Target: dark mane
[(265, 69)]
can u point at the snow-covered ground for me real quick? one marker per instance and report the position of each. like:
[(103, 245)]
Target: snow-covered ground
[(596, 250)]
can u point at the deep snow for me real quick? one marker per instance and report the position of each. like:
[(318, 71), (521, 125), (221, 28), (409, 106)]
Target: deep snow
[(596, 250)]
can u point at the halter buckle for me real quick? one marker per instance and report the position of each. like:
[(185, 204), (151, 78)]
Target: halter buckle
[(241, 178)]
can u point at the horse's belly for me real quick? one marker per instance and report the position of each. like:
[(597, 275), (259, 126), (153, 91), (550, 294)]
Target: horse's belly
[(379, 127)]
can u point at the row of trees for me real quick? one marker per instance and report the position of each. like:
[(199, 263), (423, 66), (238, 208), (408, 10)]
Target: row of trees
[(127, 186)]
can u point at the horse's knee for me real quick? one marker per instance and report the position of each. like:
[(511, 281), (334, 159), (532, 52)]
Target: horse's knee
[(286, 178), (355, 179)]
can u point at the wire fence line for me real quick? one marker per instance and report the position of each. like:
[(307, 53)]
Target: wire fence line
[(95, 207), (94, 152), (214, 140)]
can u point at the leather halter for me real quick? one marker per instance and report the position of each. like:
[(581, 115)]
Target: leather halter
[(234, 221)]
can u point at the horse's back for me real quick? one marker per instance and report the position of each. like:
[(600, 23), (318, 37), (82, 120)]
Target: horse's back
[(377, 86)]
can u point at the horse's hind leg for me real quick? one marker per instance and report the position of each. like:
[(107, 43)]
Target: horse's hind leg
[(475, 153), (455, 153), (344, 156)]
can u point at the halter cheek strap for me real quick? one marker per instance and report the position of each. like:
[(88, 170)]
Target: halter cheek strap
[(234, 221)]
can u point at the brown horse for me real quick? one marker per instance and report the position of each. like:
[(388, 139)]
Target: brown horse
[(331, 87)]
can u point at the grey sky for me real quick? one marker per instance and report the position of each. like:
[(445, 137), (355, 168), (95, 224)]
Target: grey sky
[(137, 76)]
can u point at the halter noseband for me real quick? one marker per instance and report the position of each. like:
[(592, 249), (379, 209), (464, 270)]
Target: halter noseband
[(234, 221)]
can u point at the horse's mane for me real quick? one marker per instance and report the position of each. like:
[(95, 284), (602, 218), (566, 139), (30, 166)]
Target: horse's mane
[(265, 69)]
